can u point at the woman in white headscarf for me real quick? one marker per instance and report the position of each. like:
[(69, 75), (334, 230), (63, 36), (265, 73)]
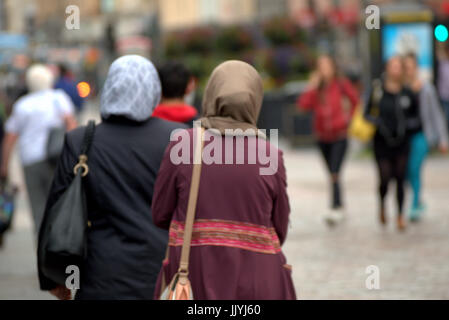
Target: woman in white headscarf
[(125, 249)]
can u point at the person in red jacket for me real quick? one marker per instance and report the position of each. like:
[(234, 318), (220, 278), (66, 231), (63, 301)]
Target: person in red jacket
[(177, 82), (333, 99)]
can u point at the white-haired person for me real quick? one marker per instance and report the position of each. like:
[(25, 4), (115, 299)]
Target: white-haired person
[(32, 118)]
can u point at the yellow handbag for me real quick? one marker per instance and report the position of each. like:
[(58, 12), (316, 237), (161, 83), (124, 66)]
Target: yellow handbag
[(360, 128)]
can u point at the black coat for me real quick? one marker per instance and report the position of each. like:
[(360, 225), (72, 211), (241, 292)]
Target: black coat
[(125, 249)]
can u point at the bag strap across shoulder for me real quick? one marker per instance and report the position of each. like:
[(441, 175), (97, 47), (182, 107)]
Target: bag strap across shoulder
[(191, 207), (88, 137), (85, 147)]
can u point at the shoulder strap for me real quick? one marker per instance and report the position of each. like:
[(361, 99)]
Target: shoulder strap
[(376, 96), (88, 137), (87, 142), (193, 196)]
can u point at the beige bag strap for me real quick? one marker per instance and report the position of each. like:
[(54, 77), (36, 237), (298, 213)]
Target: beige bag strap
[(191, 207)]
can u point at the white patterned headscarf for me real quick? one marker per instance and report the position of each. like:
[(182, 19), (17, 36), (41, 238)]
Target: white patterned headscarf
[(132, 89)]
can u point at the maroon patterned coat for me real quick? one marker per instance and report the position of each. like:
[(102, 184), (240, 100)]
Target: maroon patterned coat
[(240, 224)]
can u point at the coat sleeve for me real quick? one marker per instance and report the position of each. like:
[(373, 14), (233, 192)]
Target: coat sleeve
[(61, 181), (165, 192), (437, 116), (352, 94), (281, 206), (307, 100), (369, 108)]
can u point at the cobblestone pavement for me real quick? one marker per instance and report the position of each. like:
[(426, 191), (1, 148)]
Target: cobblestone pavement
[(331, 264), (327, 263)]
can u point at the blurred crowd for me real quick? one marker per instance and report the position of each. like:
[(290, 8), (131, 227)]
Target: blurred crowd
[(139, 232), (401, 117)]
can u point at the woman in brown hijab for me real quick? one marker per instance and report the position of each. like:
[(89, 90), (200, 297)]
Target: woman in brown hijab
[(242, 211)]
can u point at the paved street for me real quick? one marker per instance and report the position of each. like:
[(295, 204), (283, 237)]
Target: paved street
[(327, 264), (331, 264)]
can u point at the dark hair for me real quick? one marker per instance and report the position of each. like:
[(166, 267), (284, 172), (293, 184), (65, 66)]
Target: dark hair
[(174, 78), (63, 70)]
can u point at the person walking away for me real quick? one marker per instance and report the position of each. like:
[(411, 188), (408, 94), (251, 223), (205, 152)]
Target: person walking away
[(177, 83), (333, 100), (3, 102), (241, 216), (66, 83), (125, 249), (393, 110), (3, 113), (33, 117), (432, 131), (443, 79)]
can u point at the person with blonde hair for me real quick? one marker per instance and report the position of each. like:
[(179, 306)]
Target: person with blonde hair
[(33, 117)]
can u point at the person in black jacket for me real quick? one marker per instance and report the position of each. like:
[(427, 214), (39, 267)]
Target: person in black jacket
[(125, 249), (394, 111)]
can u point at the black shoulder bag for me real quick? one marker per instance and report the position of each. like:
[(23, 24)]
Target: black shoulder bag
[(63, 241)]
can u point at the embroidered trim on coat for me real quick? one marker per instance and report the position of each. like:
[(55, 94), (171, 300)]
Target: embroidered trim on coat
[(215, 232)]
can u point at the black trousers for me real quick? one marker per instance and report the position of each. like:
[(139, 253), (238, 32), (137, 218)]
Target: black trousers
[(334, 154), (392, 165)]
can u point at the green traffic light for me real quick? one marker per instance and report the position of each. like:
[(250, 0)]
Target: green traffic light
[(441, 33)]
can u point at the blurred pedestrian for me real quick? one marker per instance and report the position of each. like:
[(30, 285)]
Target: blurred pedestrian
[(125, 248), (16, 86), (177, 83), (333, 100), (394, 110), (66, 83), (3, 113), (3, 102), (241, 217), (430, 132), (33, 116), (443, 79)]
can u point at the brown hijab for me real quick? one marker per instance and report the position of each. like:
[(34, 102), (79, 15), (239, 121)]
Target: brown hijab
[(233, 97)]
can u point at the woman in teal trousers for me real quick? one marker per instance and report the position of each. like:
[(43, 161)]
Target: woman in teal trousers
[(433, 131)]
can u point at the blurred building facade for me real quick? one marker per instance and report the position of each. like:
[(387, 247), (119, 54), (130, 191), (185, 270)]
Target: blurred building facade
[(44, 20), (177, 14), (123, 24), (22, 16)]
